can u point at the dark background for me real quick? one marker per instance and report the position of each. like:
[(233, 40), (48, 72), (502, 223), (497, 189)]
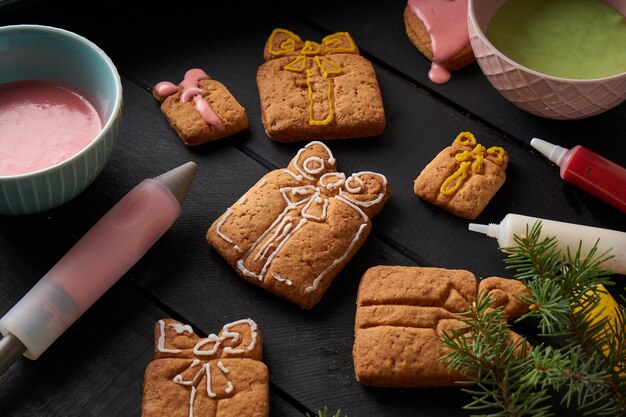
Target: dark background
[(96, 367)]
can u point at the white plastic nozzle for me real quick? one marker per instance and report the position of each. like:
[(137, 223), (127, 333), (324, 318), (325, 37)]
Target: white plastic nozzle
[(554, 153), (491, 229)]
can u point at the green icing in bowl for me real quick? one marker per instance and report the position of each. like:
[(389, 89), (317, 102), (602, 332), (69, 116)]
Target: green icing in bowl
[(580, 39)]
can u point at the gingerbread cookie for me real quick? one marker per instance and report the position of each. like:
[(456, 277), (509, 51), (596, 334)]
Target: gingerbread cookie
[(217, 376), (200, 109), (402, 313), (294, 230), (313, 90), (463, 177), (438, 28)]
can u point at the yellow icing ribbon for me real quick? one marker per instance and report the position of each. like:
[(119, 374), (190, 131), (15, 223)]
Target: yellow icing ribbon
[(466, 139), (297, 65), (459, 176), (327, 67), (340, 42), (286, 46), (496, 155), (331, 114), (333, 43), (311, 48), (470, 160), (478, 156)]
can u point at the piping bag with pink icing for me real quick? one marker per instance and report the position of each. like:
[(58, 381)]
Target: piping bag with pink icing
[(103, 255), (192, 91), (446, 23)]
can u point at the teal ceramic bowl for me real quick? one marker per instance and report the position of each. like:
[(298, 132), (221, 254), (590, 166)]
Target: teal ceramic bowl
[(46, 53)]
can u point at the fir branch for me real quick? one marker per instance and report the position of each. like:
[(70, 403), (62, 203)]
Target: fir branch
[(493, 362), (588, 371), (565, 291), (324, 413)]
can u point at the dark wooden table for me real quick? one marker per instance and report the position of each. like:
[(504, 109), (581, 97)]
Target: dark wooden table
[(96, 368)]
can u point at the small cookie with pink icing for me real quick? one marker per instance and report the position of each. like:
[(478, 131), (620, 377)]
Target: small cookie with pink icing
[(438, 28), (200, 109)]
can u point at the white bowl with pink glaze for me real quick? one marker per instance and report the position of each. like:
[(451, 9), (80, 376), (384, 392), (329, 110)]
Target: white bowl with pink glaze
[(48, 53), (540, 94)]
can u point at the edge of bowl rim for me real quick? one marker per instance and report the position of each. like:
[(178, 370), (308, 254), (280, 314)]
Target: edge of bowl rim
[(117, 106), (471, 19)]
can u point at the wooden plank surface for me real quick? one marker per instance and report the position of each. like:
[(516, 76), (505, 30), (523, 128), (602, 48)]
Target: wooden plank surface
[(96, 367)]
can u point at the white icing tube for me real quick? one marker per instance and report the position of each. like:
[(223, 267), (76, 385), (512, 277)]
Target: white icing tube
[(568, 235), (106, 252)]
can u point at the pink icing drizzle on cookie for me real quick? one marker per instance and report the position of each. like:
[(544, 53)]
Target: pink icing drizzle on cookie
[(207, 113), (191, 90), (165, 88), (446, 23)]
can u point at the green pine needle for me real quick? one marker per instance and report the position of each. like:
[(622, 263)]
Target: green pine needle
[(324, 413), (506, 379)]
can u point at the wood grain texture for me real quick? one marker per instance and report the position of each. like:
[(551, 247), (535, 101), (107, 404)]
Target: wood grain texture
[(96, 368), (378, 31)]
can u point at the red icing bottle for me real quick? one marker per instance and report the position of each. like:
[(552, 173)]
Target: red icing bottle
[(589, 171)]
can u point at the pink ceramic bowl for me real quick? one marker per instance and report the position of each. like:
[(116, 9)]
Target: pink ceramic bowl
[(537, 93)]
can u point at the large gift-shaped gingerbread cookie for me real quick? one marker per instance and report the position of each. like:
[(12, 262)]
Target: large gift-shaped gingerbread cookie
[(217, 376), (311, 90), (294, 230)]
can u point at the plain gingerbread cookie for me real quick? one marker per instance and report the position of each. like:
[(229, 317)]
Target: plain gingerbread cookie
[(402, 313)]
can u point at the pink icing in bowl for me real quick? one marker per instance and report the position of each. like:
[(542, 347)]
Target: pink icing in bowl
[(42, 124), (61, 57)]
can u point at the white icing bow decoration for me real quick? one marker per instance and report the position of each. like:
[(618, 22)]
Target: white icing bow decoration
[(312, 186), (206, 354)]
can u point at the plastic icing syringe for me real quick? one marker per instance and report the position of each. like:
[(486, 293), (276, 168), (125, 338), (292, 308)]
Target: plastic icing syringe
[(96, 262), (568, 235)]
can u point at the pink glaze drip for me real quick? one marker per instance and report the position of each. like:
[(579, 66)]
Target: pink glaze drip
[(41, 125), (439, 74), (446, 22), (191, 90)]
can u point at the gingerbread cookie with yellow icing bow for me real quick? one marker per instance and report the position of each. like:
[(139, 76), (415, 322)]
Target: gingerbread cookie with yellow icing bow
[(217, 376), (297, 227), (312, 90), (200, 109), (463, 177)]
